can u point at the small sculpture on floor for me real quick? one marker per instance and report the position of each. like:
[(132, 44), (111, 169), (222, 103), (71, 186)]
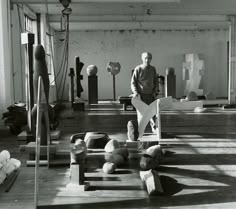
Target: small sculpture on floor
[(77, 164), (132, 130), (113, 68)]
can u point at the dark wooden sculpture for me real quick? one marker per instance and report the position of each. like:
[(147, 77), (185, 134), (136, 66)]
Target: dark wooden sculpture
[(72, 75), (170, 81), (113, 68), (40, 69), (78, 67)]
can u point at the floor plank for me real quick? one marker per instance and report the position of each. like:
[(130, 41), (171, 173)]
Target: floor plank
[(200, 171)]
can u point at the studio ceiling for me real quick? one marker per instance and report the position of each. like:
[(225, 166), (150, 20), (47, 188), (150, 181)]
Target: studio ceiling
[(130, 13)]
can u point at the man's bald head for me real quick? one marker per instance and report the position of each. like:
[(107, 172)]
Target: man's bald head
[(146, 58)]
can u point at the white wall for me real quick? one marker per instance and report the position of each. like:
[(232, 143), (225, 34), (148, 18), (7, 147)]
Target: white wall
[(168, 49), (18, 56), (5, 58)]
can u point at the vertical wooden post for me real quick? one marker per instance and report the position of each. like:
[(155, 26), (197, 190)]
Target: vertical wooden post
[(72, 75), (93, 89), (232, 61), (114, 88), (158, 121), (38, 139)]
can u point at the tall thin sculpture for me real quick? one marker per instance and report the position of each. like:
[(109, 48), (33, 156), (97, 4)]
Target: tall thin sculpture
[(78, 67), (40, 70), (113, 68)]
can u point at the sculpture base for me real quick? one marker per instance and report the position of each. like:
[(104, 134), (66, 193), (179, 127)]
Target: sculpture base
[(78, 106), (78, 187)]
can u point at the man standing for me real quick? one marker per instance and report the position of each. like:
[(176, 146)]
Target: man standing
[(144, 83)]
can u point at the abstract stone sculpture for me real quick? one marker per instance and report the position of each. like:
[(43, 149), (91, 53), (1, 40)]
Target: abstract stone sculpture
[(96, 140), (78, 155), (170, 83), (192, 96), (40, 69), (111, 145), (78, 67), (78, 152), (92, 70), (113, 68), (132, 130), (114, 158), (193, 71), (121, 151), (152, 181), (109, 167)]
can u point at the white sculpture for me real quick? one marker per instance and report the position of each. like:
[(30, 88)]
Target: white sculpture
[(193, 70)]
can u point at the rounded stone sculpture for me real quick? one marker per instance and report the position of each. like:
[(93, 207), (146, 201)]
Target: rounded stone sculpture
[(92, 70), (111, 145), (132, 130), (4, 157), (114, 158), (170, 71), (154, 150), (96, 140), (210, 96), (113, 68), (109, 167), (147, 162), (200, 109), (156, 153), (121, 151)]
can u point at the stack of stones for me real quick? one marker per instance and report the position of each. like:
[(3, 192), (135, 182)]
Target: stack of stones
[(115, 156), (150, 160)]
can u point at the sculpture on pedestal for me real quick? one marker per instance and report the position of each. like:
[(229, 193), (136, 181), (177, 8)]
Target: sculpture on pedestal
[(92, 84), (193, 71), (170, 81), (113, 68), (78, 104), (78, 67)]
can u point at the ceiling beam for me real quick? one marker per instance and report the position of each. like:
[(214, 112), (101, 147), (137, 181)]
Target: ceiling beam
[(92, 1), (101, 26), (140, 18)]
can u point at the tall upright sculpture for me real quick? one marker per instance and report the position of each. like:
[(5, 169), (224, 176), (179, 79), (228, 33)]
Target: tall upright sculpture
[(78, 104), (92, 84), (113, 68), (71, 91), (40, 70), (170, 81), (193, 71), (78, 68)]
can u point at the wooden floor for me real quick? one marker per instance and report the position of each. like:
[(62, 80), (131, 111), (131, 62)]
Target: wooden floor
[(200, 172)]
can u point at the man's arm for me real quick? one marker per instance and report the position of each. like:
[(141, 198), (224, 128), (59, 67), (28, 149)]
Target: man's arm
[(155, 82), (134, 81)]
